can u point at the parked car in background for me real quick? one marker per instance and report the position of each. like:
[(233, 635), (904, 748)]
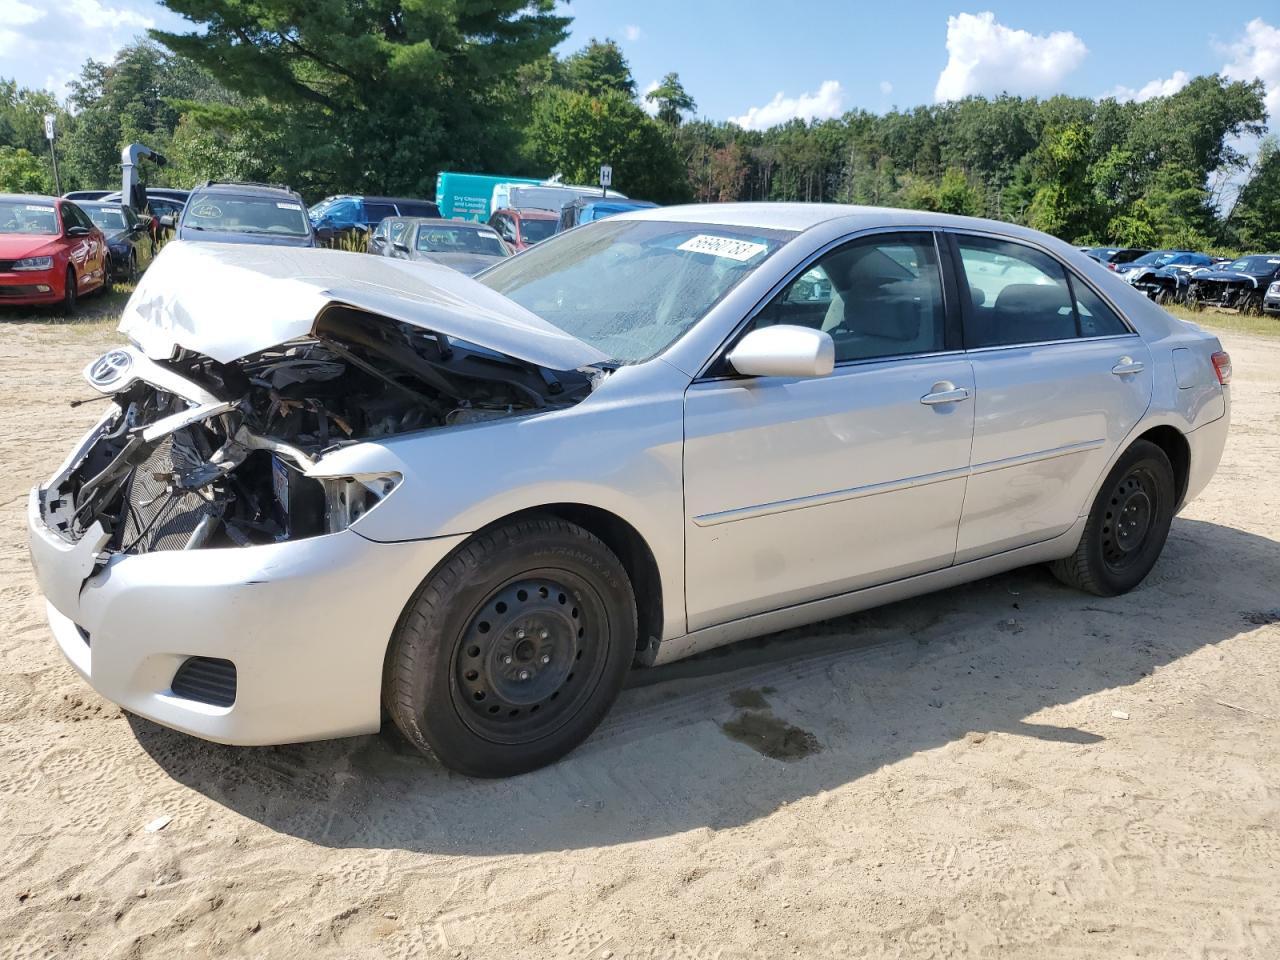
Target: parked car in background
[(163, 205), (590, 209), (1113, 256), (521, 229), (50, 251), (642, 439), (465, 246), (219, 212), (350, 218), (1242, 283), (1271, 300), (85, 195), (129, 241), (1168, 279)]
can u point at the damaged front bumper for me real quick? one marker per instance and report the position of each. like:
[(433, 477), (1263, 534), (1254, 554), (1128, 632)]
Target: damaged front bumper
[(242, 643), (304, 624)]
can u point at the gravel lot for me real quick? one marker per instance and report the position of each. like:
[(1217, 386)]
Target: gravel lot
[(967, 788)]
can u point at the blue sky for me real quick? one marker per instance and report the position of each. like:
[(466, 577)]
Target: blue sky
[(762, 61)]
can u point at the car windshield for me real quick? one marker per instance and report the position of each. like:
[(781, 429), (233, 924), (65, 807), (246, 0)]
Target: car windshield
[(108, 219), (318, 210), (535, 231), (29, 217), (227, 213), (451, 239), (1254, 266), (631, 288)]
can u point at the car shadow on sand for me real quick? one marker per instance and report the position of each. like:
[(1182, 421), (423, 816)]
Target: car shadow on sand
[(728, 737)]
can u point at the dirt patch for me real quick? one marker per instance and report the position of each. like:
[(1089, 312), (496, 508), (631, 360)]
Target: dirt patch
[(748, 699)]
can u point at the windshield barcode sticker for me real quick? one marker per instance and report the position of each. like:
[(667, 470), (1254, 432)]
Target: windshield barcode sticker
[(289, 206), (38, 208), (741, 250)]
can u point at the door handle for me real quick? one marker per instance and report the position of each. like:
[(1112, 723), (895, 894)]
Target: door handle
[(1127, 365), (944, 392)]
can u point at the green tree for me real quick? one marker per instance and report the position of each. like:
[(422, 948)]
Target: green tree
[(21, 171), (957, 195), (1255, 219), (375, 97), (1065, 204), (599, 68), (573, 133), (672, 100)]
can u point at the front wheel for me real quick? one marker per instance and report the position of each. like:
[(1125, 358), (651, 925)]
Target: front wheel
[(70, 296), (1127, 526), (513, 650)]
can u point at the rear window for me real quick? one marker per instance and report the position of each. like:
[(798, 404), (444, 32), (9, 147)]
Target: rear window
[(448, 239), (535, 231)]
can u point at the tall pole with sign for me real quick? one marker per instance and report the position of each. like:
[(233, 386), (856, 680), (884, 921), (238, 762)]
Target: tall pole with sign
[(49, 120), (606, 179)]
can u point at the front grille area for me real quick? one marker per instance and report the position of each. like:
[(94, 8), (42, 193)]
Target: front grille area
[(157, 519), (206, 680)]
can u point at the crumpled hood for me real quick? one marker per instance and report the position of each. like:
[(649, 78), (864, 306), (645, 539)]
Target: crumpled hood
[(1229, 275), (227, 301)]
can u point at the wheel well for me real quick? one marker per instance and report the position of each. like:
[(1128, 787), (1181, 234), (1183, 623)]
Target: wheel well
[(631, 550), (1175, 447)]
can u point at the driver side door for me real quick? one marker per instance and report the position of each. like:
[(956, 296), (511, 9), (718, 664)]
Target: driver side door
[(800, 489)]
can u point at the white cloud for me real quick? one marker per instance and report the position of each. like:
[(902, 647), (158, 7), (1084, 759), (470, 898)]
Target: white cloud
[(986, 57), (826, 103), (649, 106), (1156, 88), (1256, 55), (632, 32), (35, 37), (886, 87)]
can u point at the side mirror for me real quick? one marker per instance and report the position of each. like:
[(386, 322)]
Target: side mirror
[(784, 351), (77, 231), (168, 220), (402, 247)]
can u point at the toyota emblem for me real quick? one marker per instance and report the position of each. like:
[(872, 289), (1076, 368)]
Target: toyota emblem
[(110, 367)]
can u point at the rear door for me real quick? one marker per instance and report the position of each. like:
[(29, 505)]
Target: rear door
[(1061, 381), (798, 489)]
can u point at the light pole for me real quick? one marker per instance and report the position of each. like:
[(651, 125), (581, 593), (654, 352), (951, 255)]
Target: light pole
[(53, 155)]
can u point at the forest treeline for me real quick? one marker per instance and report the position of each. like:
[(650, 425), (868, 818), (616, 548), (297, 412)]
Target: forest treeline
[(339, 96)]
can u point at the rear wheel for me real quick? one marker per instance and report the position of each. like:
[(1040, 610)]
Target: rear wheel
[(513, 650), (1127, 526)]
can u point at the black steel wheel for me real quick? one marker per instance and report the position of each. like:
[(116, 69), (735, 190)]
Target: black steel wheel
[(513, 649), (1127, 526), (528, 658)]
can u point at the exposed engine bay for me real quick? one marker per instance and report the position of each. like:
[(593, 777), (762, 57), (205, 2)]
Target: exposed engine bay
[(198, 453)]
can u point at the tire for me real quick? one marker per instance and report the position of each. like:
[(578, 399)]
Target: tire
[(70, 296), (1112, 558), (482, 667)]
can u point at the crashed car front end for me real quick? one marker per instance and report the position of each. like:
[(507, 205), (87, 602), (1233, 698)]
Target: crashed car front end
[(1161, 284), (199, 550)]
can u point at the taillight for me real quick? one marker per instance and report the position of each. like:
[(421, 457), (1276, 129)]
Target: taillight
[(1222, 366)]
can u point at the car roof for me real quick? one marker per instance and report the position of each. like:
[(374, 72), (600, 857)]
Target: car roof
[(799, 217), (246, 189), (34, 197), (530, 213)]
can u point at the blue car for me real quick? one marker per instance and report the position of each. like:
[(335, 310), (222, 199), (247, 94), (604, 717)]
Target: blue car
[(589, 209), (219, 212)]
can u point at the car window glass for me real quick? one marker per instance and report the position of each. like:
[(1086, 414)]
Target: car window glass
[(19, 215), (377, 212), (345, 211), (1018, 294), (397, 230), (879, 296), (1096, 318), (423, 209), (535, 231), (228, 213), (380, 232)]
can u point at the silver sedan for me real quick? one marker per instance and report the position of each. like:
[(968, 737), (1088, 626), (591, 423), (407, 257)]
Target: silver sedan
[(328, 483)]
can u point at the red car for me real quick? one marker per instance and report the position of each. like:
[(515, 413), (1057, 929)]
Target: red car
[(50, 251), (523, 228)]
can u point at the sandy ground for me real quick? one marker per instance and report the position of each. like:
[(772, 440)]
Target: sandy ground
[(971, 792)]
